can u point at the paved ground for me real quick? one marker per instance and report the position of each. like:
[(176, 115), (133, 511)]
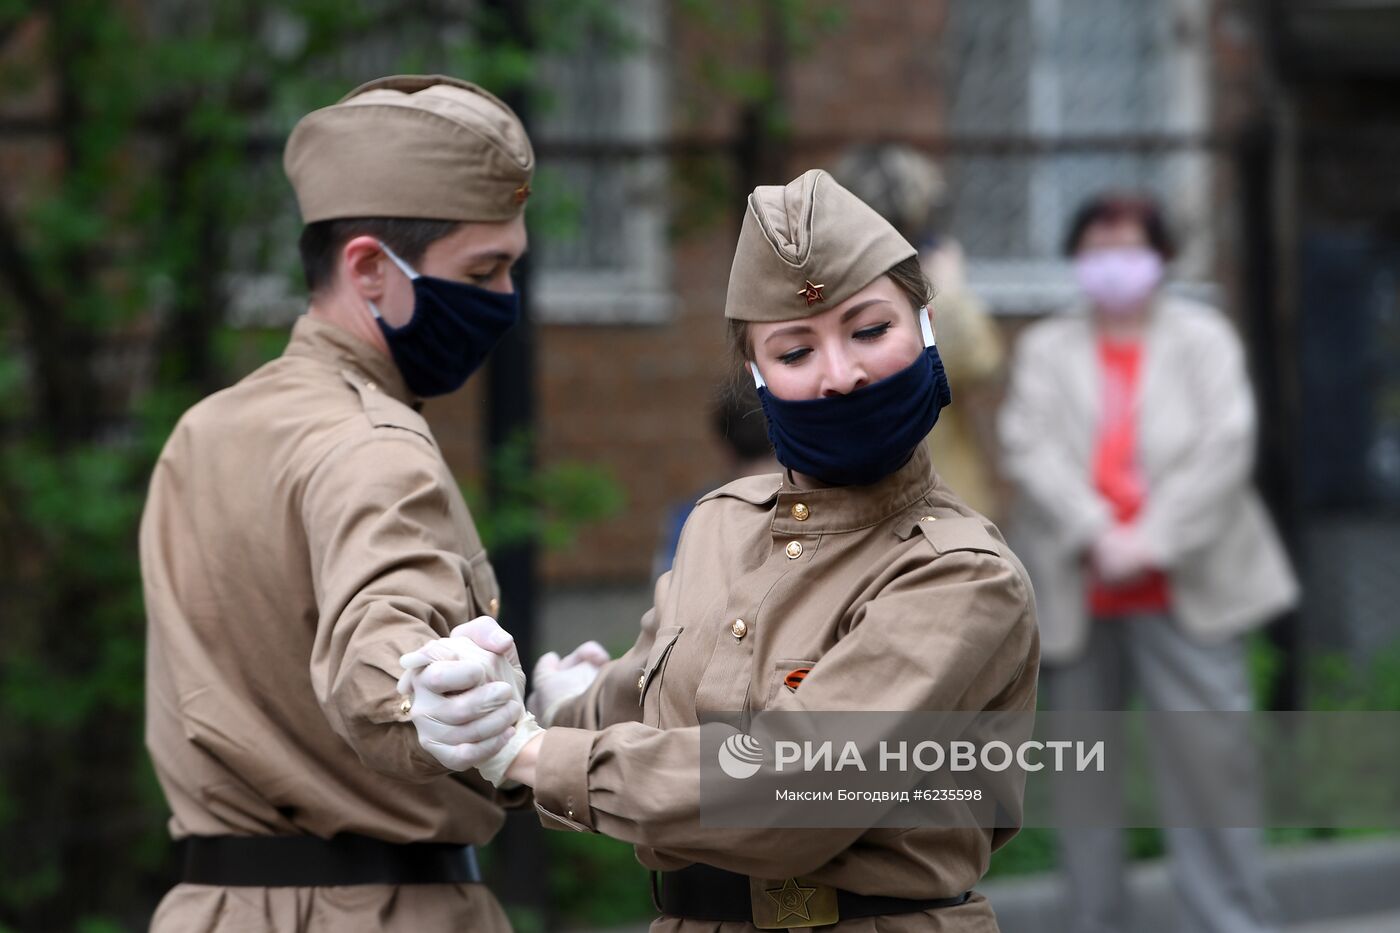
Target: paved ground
[(1375, 923)]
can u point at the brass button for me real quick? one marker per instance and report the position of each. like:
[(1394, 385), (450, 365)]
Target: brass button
[(739, 629), (406, 706), (494, 606), (928, 518), (642, 680), (794, 550), (801, 512), (371, 386)]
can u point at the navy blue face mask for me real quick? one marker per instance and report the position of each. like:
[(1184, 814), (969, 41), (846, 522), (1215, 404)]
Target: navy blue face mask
[(862, 437), (453, 327)]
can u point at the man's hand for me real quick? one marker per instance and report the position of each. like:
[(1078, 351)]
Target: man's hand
[(479, 651), (488, 634), (463, 714), (557, 680)]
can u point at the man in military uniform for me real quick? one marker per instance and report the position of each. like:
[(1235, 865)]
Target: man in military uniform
[(303, 531)]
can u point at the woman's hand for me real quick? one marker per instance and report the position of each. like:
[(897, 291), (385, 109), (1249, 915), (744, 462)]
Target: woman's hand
[(556, 680), (1121, 555), (522, 769)]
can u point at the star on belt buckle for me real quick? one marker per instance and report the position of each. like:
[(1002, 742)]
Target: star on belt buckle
[(792, 903)]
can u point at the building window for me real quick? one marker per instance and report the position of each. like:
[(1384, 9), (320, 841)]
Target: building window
[(1098, 74), (603, 255)]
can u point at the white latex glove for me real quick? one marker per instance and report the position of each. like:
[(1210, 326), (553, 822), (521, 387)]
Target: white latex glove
[(557, 680), (478, 652), (464, 717), (492, 653)]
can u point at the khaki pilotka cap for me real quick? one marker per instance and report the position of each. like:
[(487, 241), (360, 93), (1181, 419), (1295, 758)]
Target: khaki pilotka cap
[(414, 146), (806, 247)]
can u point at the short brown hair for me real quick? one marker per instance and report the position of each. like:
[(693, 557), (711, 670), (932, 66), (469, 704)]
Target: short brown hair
[(1114, 207), (908, 275), (321, 242)]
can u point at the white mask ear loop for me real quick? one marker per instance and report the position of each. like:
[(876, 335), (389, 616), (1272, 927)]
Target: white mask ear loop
[(757, 377), (404, 267), (925, 327)]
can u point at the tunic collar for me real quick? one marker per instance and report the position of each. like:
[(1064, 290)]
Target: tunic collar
[(325, 341), (832, 509)]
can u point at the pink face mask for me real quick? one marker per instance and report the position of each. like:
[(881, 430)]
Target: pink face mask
[(1119, 279)]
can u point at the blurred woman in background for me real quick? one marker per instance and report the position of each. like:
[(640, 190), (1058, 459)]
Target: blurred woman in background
[(1128, 430)]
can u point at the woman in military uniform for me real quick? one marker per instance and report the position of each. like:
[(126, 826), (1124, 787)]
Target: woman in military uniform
[(854, 581)]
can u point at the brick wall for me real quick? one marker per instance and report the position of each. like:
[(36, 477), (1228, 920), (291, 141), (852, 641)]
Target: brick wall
[(636, 398)]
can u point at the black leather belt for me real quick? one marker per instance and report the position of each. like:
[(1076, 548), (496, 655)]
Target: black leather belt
[(702, 892), (308, 861)]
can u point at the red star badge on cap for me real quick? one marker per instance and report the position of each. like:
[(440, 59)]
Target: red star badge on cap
[(813, 293), (522, 193)]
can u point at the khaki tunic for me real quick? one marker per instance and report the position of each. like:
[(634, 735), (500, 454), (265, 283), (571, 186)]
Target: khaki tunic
[(890, 612), (302, 531)]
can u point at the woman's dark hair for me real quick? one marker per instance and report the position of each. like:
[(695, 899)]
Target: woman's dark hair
[(321, 242), (737, 418), (1113, 207)]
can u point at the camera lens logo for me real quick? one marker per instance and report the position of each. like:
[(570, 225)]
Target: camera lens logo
[(740, 756)]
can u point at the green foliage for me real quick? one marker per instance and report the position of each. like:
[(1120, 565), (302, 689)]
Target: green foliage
[(525, 919), (754, 30), (1335, 683), (1029, 851), (545, 504), (1265, 662), (599, 878), (99, 925), (555, 206)]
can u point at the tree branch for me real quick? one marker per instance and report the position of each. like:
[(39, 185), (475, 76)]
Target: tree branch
[(42, 317)]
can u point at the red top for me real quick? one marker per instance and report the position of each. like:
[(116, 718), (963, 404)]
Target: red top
[(1118, 479)]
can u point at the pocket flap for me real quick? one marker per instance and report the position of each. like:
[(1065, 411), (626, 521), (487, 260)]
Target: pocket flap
[(665, 640)]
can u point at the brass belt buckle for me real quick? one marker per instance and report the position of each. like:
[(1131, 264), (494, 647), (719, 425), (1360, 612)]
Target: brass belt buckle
[(792, 903)]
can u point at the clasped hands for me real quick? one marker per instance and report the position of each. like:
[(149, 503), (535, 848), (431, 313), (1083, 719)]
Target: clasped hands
[(469, 701), (1122, 555)]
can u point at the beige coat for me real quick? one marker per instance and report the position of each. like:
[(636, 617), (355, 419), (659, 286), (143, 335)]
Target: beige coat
[(1195, 422), (970, 347), (891, 612), (302, 532)]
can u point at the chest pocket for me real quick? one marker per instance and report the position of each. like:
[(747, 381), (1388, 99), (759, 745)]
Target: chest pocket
[(485, 591), (651, 672)]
